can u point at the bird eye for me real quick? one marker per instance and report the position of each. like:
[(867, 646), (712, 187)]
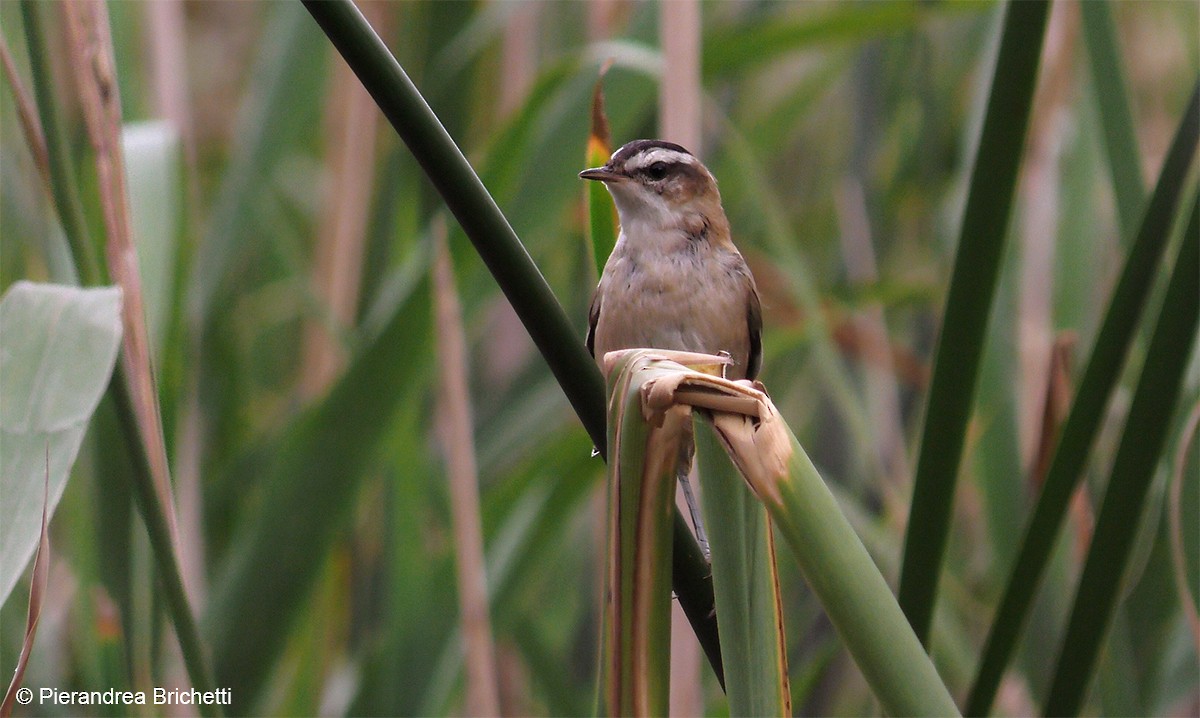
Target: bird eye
[(657, 171)]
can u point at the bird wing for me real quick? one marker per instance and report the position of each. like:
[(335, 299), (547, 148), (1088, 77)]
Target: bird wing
[(754, 324), (593, 317)]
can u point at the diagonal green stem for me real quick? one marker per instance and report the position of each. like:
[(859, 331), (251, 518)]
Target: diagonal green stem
[(1108, 79), (165, 560), (746, 583), (1079, 431), (506, 258), (968, 303), (469, 201), (845, 579), (1132, 472)]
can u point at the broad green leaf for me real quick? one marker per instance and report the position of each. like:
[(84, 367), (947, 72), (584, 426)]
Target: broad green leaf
[(58, 346), (635, 659), (746, 585)]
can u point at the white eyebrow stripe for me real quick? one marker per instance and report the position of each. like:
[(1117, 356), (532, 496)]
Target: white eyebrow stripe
[(659, 154)]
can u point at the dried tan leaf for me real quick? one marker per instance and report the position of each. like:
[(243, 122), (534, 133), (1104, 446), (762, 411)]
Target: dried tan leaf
[(743, 414), (92, 59), (37, 592)]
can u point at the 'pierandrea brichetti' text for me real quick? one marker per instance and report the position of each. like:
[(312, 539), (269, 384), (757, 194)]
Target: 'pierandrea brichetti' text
[(158, 697)]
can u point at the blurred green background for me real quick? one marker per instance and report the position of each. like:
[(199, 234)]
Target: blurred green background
[(281, 227)]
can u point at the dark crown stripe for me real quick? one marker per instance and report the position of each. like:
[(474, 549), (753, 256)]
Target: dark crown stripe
[(637, 146)]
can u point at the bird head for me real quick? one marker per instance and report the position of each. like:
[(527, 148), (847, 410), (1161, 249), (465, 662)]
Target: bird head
[(658, 184)]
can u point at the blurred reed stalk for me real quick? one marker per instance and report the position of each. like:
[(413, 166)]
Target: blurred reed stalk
[(35, 138), (456, 428), (868, 324), (679, 90), (518, 67), (1095, 388), (1038, 225), (601, 19), (680, 96), (507, 345), (89, 48), (166, 67), (870, 328), (351, 129)]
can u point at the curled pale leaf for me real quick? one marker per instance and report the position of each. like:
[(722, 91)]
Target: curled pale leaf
[(761, 449), (706, 363), (58, 345), (744, 416)]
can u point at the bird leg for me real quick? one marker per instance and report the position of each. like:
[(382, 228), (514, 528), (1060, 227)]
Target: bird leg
[(687, 450)]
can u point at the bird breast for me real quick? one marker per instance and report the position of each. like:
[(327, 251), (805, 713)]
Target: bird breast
[(687, 296)]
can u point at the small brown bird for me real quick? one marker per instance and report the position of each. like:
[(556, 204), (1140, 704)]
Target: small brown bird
[(674, 279)]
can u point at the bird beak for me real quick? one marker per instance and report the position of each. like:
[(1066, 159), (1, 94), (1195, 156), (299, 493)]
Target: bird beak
[(603, 174)]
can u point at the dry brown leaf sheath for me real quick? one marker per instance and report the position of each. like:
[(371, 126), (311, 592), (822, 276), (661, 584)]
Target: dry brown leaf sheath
[(37, 593), (745, 418)]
